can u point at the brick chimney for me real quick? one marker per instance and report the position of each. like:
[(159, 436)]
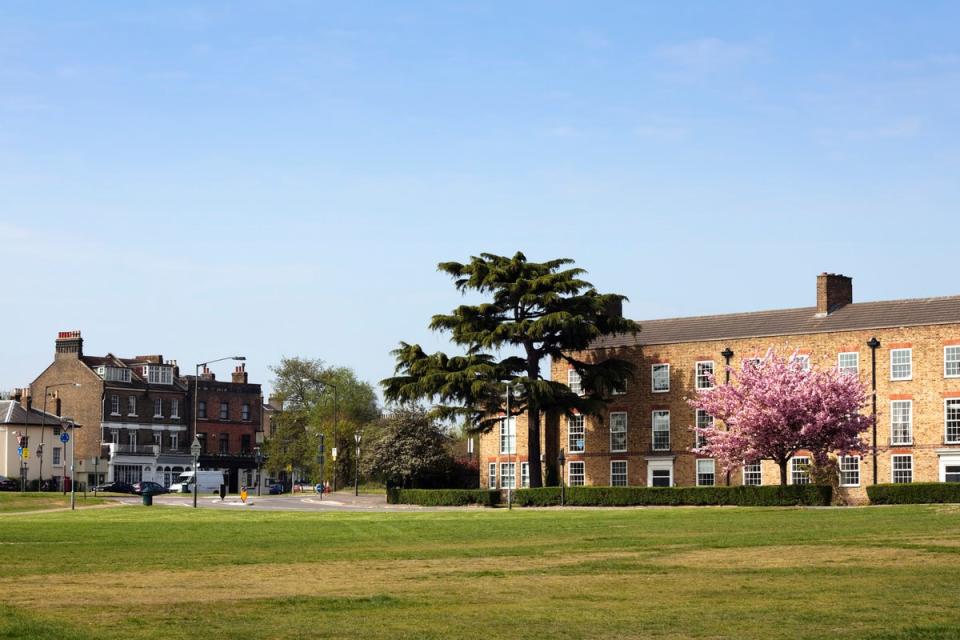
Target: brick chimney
[(206, 374), (833, 292), (240, 373), (275, 401), (69, 346)]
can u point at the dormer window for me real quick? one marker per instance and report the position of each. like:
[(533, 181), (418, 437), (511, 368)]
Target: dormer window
[(113, 374), (157, 374)]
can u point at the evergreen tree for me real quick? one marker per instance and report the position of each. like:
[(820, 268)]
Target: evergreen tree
[(533, 311)]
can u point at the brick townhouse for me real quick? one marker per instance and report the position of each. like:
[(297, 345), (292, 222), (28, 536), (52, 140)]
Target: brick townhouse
[(644, 437), (229, 423), (136, 414)]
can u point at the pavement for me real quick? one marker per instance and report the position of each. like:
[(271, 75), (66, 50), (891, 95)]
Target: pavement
[(338, 501)]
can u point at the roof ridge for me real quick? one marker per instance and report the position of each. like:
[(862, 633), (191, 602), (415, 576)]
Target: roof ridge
[(787, 309)]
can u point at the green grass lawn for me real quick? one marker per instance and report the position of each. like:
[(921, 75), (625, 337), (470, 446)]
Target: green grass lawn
[(15, 502), (172, 572)]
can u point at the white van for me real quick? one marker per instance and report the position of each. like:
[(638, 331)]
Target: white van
[(210, 482)]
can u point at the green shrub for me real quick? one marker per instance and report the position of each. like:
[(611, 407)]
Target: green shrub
[(914, 493), (443, 497), (770, 496)]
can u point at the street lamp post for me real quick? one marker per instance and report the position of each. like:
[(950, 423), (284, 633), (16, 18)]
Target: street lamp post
[(562, 460), (43, 421), (258, 458), (321, 448), (356, 477), (68, 425), (195, 450)]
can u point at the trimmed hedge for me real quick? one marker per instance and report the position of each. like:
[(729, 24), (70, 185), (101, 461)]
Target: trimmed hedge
[(443, 497), (770, 496), (914, 493)]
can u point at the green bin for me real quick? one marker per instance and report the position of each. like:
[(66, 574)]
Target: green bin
[(148, 499)]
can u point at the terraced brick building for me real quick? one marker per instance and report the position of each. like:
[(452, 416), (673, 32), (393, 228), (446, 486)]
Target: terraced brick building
[(909, 350)]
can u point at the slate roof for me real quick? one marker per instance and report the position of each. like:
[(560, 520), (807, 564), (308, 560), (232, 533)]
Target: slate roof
[(786, 322), (12, 412)]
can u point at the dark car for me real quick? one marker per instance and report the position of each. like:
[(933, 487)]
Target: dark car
[(116, 487), (152, 488), (8, 484), (276, 489)]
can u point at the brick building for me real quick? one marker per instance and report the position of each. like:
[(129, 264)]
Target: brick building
[(230, 424), (134, 411), (645, 436)]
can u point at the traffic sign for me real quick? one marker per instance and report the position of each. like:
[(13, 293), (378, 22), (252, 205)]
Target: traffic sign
[(26, 454), (64, 437), (20, 452), (333, 453)]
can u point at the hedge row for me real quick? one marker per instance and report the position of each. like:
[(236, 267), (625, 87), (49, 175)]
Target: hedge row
[(443, 497), (770, 496), (914, 493)]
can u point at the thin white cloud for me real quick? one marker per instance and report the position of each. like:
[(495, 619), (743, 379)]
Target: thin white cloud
[(706, 54)]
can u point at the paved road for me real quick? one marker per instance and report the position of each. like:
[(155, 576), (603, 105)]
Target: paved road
[(339, 501)]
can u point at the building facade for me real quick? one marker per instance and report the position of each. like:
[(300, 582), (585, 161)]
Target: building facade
[(50, 460), (229, 422), (646, 435), (137, 415)]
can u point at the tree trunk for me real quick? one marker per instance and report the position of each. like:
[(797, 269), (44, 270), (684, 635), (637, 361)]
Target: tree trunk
[(533, 447), (783, 472)]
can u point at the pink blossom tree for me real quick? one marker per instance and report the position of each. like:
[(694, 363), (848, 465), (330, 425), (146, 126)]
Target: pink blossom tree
[(776, 407)]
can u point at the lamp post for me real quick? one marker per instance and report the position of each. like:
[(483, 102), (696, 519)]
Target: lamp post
[(562, 460), (874, 344), (195, 450), (43, 419), (356, 465), (196, 402), (321, 450), (258, 458), (68, 425), (96, 474)]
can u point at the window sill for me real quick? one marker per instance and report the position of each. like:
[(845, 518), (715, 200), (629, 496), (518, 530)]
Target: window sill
[(901, 379), (660, 391)]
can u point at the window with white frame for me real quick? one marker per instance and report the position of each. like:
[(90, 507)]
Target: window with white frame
[(661, 430), (952, 420), (576, 434), (245, 411), (131, 405), (492, 475), (157, 438), (115, 436), (508, 435), (174, 441), (951, 361), (661, 478), (157, 374), (803, 360), (618, 431), (849, 471), (508, 477), (619, 389), (901, 422), (752, 474), (574, 382), (660, 378), (706, 473), (704, 421), (224, 411), (576, 474), (114, 405), (175, 408), (704, 377), (901, 364), (618, 473), (524, 474), (114, 374), (848, 362), (951, 473), (57, 456), (902, 467), (158, 408), (800, 470), (132, 437)]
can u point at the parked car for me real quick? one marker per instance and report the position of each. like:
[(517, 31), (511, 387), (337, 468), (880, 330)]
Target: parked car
[(116, 487), (8, 484), (276, 489), (153, 488)]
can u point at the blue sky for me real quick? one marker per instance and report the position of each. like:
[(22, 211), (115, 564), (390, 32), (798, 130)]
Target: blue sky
[(281, 178)]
